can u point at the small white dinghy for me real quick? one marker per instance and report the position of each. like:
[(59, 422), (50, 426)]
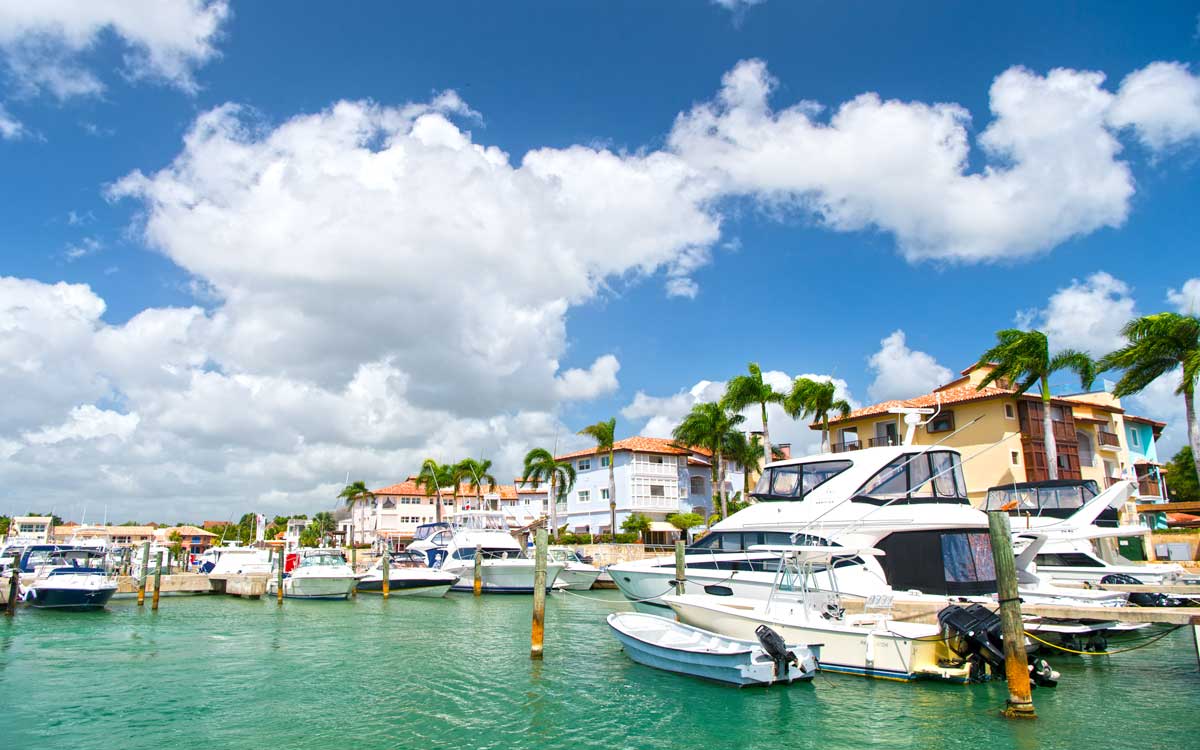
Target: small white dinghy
[(666, 644)]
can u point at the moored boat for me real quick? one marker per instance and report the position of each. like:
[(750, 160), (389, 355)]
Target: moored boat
[(319, 574), (576, 574), (70, 578), (676, 647), (408, 575)]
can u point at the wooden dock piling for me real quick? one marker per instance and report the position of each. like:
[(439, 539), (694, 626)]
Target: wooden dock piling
[(387, 566), (279, 579), (145, 573), (539, 596), (680, 564), (353, 562), (14, 585), (1016, 661), (478, 585), (157, 581)]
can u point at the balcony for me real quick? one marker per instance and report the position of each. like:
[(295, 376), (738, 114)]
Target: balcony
[(847, 445), (654, 502), (1148, 487), (663, 471), (883, 440), (1108, 439)]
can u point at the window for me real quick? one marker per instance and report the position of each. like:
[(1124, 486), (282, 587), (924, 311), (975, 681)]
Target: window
[(585, 464), (697, 485), (657, 490), (604, 494), (604, 461), (943, 422), (1009, 412), (937, 474), (1016, 458), (656, 459), (389, 504), (585, 496), (1133, 437), (783, 482)]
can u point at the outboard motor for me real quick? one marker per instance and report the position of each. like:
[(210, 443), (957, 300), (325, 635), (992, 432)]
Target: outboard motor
[(979, 629), (1140, 599), (775, 647)]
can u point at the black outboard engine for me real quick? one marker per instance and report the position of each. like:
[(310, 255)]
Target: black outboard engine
[(775, 647), (1138, 600), (979, 629)]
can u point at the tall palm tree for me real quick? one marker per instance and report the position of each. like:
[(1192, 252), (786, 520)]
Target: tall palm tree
[(354, 494), (605, 433), (432, 477), (708, 426), (815, 399), (746, 451), (1023, 359), (476, 472), (747, 390), (1157, 345), (542, 466)]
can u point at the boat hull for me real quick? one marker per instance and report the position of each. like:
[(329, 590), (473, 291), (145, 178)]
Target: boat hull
[(882, 651), (580, 579), (503, 576), (71, 598), (428, 584), (333, 587)]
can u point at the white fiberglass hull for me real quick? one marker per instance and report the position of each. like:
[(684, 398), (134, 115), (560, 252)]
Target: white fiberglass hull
[(577, 577), (866, 646), (314, 587), (503, 576), (409, 582)]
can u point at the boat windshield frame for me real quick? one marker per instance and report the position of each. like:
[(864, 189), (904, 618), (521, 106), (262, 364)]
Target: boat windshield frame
[(480, 520), (921, 466), (322, 557), (1038, 498), (795, 481)]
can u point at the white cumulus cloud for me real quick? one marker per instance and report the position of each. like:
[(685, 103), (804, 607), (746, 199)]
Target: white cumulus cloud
[(1161, 102), (1186, 299), (87, 422), (901, 372), (1087, 315)]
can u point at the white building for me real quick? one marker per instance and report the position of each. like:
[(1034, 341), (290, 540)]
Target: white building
[(30, 529), (653, 477)]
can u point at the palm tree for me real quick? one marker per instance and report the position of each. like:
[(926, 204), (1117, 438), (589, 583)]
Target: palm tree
[(708, 426), (1157, 345), (746, 390), (323, 524), (476, 472), (1023, 359), (815, 399), (354, 494), (432, 477), (746, 451), (542, 466), (604, 433)]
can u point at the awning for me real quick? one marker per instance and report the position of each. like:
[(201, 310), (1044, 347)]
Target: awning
[(662, 526)]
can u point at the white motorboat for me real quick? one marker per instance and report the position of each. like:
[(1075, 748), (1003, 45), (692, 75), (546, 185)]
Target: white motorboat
[(504, 569), (576, 574), (71, 578), (234, 560), (676, 647), (408, 575), (320, 573)]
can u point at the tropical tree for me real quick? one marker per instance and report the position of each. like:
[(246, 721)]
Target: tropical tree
[(1159, 344), (605, 433), (746, 451), (324, 522), (476, 472), (747, 390), (1023, 359), (432, 477), (815, 399), (637, 523), (353, 495), (685, 521), (542, 466), (708, 426), (1182, 483)]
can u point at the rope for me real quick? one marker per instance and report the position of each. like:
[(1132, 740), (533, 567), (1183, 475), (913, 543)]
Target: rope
[(1103, 653), (613, 602)]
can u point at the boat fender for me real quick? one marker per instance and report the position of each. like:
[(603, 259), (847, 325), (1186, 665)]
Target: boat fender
[(777, 649), (1043, 675)]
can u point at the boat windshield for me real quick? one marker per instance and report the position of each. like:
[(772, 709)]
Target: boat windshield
[(322, 558), (794, 481), (928, 477), (739, 541), (481, 522), (426, 530), (408, 560), (1035, 498), (493, 553), (563, 555)]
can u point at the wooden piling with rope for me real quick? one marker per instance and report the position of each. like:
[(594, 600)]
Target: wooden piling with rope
[(539, 595), (279, 578), (145, 574), (387, 571), (680, 565), (1016, 661), (14, 585), (478, 584), (157, 581)]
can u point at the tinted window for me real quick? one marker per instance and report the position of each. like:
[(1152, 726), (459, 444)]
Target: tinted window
[(785, 482)]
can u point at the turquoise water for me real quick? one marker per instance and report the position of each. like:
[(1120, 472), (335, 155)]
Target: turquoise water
[(219, 672)]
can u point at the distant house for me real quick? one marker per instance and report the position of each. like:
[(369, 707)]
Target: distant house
[(193, 539), (30, 529), (653, 476)]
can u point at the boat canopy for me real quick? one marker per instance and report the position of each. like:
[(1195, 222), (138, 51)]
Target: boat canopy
[(426, 530), (914, 475), (480, 520), (1060, 498)]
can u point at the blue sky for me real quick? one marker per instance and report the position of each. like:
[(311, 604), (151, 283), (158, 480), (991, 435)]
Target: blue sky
[(804, 267)]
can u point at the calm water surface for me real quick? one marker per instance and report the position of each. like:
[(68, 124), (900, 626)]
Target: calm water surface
[(219, 672)]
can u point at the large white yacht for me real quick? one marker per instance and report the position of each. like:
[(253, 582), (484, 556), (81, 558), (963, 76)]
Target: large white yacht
[(505, 568), (909, 502), (320, 574)]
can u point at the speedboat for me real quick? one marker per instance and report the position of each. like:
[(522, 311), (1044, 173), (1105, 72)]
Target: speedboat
[(71, 578), (576, 575), (408, 575), (235, 560), (676, 647), (504, 568), (320, 573)]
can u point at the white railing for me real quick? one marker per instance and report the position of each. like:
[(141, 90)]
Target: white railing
[(656, 470), (650, 501)]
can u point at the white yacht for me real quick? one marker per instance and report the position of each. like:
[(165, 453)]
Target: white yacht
[(234, 560), (505, 567), (408, 575), (909, 502), (576, 574), (67, 577), (320, 573)]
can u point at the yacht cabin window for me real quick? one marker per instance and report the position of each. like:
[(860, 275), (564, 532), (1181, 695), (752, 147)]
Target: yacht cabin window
[(797, 480), (934, 476)]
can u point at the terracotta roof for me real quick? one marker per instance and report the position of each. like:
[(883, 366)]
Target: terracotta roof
[(410, 488), (1145, 420), (640, 444), (185, 531), (952, 394)]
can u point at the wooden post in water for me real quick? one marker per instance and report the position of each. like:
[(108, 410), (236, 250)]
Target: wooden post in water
[(279, 578), (14, 583), (353, 562), (1016, 662), (145, 573), (478, 587), (157, 581), (387, 570), (539, 596), (679, 566)]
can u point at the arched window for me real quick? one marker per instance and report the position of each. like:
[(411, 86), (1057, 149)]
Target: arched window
[(1087, 455)]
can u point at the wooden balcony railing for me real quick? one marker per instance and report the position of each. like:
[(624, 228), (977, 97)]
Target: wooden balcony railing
[(847, 445), (877, 442), (1148, 486), (1108, 439)]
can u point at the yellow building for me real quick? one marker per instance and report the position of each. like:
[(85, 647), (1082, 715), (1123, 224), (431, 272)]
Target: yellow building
[(1000, 434)]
